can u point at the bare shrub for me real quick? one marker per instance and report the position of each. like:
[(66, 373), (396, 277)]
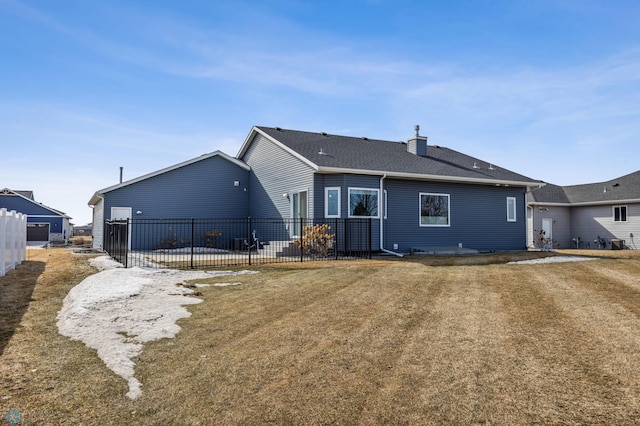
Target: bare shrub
[(316, 240)]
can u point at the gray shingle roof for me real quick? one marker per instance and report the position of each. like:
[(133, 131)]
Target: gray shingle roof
[(347, 152), (623, 188)]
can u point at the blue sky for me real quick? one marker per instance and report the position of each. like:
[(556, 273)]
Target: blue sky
[(548, 89)]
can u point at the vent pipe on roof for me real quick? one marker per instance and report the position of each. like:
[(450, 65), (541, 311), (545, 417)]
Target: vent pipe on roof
[(417, 145), (121, 173)]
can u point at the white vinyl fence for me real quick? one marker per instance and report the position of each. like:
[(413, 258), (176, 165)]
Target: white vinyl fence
[(13, 239)]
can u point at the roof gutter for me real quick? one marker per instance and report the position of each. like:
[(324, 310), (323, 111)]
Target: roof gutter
[(95, 199), (419, 176), (586, 203), (381, 215)]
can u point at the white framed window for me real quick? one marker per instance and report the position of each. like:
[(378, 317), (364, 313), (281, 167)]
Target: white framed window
[(619, 213), (332, 202), (435, 209), (511, 209), (363, 202)]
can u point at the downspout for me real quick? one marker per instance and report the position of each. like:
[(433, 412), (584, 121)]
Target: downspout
[(381, 214)]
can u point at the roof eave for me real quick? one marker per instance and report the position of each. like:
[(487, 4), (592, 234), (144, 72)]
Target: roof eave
[(95, 199), (584, 203), (542, 203), (420, 176), (609, 202)]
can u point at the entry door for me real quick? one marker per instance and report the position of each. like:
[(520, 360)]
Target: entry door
[(122, 213), (299, 212)]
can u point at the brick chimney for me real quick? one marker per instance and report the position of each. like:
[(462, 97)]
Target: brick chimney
[(417, 145)]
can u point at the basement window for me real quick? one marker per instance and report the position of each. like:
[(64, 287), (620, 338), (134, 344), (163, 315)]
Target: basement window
[(619, 213)]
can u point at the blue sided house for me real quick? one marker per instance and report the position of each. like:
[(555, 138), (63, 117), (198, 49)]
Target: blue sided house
[(44, 224), (417, 196)]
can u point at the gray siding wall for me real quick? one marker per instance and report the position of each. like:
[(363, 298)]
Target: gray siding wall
[(275, 172), (478, 217), (590, 222), (344, 182), (561, 227), (204, 189)]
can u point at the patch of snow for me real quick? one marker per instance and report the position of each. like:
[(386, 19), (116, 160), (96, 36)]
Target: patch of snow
[(117, 310), (552, 259), (104, 262), (225, 284)]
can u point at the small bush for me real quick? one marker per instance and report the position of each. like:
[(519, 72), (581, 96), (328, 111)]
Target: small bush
[(210, 237), (172, 242), (543, 242), (81, 240), (316, 240)]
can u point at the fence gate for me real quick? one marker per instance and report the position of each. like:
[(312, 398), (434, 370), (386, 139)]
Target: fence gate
[(116, 240)]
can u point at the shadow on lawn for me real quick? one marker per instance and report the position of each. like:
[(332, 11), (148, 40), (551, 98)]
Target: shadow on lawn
[(16, 288)]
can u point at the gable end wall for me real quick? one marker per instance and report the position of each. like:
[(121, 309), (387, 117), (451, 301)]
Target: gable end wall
[(275, 172)]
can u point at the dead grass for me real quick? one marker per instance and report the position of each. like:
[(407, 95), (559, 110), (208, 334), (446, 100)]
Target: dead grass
[(403, 341)]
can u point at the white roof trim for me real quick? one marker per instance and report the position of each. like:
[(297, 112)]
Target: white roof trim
[(419, 176), (255, 130), (174, 167), (540, 203), (587, 203)]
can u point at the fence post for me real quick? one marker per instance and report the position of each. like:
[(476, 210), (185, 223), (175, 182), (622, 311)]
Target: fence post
[(249, 237), (23, 237), (301, 240), (335, 239), (369, 238), (128, 223), (12, 230), (192, 239)]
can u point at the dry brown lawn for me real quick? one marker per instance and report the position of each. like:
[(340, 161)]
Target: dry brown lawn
[(424, 340)]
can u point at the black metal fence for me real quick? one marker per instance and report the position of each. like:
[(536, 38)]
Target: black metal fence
[(202, 243)]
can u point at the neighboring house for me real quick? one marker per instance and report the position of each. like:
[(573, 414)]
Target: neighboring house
[(44, 224), (417, 196), (588, 216), (210, 186)]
